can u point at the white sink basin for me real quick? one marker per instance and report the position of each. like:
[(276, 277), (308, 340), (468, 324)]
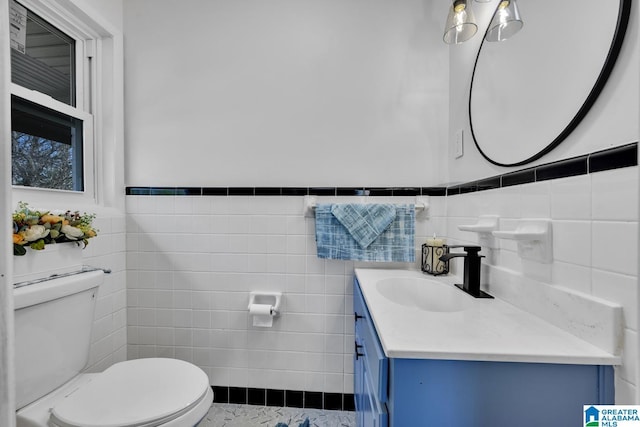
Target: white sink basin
[(424, 294)]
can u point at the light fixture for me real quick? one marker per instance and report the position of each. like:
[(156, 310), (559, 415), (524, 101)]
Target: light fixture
[(461, 24), (505, 23)]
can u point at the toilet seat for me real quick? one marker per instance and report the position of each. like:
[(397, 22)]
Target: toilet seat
[(136, 393)]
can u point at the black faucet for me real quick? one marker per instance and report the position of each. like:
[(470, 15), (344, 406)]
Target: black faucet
[(471, 283)]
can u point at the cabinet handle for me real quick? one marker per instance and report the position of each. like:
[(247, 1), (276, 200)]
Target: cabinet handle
[(357, 316), (357, 349)]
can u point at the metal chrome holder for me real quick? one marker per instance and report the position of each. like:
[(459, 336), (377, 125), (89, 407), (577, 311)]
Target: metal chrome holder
[(85, 269)]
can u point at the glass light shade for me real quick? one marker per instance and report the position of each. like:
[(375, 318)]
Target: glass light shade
[(505, 23), (461, 24)]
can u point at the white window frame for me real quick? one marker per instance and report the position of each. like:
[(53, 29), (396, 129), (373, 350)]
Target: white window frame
[(98, 51), (87, 139)]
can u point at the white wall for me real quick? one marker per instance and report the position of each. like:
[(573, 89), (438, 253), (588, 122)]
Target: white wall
[(109, 10), (284, 93), (612, 120)]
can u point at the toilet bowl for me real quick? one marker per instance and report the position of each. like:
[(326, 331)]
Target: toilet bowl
[(53, 322), (142, 392)]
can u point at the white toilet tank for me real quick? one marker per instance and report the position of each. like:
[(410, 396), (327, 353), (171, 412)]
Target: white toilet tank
[(53, 322)]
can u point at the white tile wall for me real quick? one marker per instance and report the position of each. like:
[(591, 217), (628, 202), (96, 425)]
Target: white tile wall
[(571, 198), (107, 250), (191, 263), (595, 243)]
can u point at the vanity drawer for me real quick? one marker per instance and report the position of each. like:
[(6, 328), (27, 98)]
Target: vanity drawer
[(377, 364), (374, 412)]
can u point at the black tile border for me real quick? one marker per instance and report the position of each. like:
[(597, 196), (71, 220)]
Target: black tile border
[(351, 191), (489, 183), (563, 169), (294, 191), (453, 190), (313, 399), (220, 394), (238, 395), (215, 191), (286, 191), (257, 396), (275, 397), (348, 402), (387, 192), (524, 176), (409, 191), (242, 191), (268, 191), (333, 401), (322, 191), (612, 158), (469, 188), (434, 191), (294, 398), (138, 191), (283, 398)]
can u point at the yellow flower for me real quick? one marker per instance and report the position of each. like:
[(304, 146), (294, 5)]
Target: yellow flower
[(51, 219), (18, 239)]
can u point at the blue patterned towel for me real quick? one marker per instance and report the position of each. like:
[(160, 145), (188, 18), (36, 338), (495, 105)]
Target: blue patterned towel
[(396, 243), (364, 222)]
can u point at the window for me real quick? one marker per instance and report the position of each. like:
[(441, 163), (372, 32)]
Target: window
[(46, 147), (51, 123)]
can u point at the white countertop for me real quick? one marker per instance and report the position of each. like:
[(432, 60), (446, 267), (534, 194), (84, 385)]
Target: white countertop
[(487, 330)]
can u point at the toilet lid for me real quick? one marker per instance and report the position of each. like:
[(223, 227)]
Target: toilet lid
[(142, 392)]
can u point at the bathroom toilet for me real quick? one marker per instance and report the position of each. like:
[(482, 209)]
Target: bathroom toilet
[(53, 322)]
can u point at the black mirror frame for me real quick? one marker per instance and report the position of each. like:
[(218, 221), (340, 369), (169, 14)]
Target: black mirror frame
[(614, 50)]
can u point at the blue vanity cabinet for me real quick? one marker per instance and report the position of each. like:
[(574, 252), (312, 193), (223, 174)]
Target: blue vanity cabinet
[(398, 392), (371, 371)]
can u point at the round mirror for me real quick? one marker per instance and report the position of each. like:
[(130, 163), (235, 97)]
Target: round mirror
[(529, 93)]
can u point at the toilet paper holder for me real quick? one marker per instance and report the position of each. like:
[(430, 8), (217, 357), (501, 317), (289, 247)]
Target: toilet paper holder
[(271, 298)]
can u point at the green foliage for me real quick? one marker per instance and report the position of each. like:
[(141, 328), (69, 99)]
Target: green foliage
[(19, 250)]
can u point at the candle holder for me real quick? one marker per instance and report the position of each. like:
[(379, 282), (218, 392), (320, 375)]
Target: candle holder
[(431, 263)]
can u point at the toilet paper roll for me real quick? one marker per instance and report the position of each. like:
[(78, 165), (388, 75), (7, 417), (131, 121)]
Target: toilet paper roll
[(260, 309), (262, 315)]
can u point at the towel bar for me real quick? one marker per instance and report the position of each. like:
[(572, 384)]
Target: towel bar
[(310, 202)]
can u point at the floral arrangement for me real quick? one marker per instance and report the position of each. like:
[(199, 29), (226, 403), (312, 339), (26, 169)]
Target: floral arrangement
[(36, 229)]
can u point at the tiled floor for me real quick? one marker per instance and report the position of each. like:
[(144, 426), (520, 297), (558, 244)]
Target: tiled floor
[(231, 415)]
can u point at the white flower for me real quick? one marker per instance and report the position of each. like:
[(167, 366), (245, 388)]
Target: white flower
[(72, 233), (34, 232)]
